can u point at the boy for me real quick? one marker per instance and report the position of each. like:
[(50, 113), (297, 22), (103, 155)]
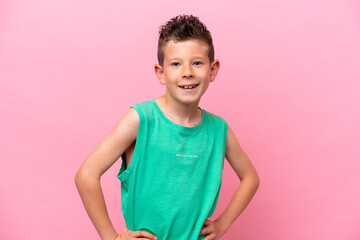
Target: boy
[(172, 151)]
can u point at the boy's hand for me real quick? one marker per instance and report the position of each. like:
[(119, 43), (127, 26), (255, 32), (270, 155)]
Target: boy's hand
[(213, 230), (126, 234)]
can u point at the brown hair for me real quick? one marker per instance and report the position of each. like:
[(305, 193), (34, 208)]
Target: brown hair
[(181, 28)]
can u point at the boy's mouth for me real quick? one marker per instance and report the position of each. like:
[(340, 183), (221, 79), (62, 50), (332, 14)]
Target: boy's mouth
[(189, 86)]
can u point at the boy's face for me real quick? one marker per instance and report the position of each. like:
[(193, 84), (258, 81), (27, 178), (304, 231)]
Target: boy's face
[(186, 64)]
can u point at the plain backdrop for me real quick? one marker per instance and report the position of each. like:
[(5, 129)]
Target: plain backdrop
[(288, 86)]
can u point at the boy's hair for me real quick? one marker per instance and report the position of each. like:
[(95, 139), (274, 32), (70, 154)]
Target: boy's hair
[(181, 28)]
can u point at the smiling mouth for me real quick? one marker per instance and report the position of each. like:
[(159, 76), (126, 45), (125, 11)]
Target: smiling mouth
[(189, 86)]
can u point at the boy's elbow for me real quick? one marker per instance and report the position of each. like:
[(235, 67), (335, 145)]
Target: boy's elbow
[(78, 179), (253, 179), (256, 181), (85, 176), (81, 178)]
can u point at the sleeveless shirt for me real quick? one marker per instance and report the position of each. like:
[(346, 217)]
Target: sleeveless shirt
[(173, 181)]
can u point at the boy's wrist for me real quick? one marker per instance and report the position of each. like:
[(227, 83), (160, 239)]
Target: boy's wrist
[(223, 225), (117, 237)]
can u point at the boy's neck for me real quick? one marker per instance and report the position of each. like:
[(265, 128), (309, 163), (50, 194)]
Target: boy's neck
[(188, 115)]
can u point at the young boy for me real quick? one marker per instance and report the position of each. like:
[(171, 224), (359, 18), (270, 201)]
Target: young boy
[(172, 150)]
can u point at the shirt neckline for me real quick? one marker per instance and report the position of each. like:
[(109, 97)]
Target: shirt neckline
[(176, 126)]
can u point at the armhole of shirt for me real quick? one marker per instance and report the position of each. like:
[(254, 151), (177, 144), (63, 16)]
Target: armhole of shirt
[(225, 137), (124, 171)]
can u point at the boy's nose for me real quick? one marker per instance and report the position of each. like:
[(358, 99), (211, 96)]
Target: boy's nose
[(187, 71)]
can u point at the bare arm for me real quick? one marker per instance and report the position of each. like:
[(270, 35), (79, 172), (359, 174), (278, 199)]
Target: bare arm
[(248, 177), (105, 154)]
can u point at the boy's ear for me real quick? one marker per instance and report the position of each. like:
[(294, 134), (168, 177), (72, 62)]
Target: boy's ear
[(215, 66), (160, 73)]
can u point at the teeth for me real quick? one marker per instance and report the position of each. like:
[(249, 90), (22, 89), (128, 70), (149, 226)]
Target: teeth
[(187, 87)]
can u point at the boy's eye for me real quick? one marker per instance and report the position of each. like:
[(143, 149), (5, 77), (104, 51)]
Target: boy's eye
[(175, 64), (197, 63)]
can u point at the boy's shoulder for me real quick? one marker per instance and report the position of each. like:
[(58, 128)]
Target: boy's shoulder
[(214, 116), (142, 106)]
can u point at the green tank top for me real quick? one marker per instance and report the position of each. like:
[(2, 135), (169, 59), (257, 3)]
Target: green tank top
[(173, 181)]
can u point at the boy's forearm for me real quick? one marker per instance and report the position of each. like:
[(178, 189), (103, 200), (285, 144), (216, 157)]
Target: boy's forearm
[(241, 198), (94, 203)]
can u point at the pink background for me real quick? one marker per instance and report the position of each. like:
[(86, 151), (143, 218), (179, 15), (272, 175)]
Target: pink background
[(288, 86)]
